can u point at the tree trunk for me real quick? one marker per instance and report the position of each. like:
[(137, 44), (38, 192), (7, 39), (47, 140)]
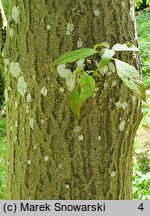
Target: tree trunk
[(52, 154)]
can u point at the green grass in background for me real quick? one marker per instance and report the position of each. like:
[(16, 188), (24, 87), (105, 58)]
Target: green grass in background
[(143, 27), (2, 157)]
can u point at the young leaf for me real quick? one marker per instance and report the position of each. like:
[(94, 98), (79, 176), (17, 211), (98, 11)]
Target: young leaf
[(74, 101), (74, 56), (131, 78), (124, 47), (106, 56), (102, 45), (87, 84)]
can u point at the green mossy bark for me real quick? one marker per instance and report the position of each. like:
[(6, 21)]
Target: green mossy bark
[(46, 159)]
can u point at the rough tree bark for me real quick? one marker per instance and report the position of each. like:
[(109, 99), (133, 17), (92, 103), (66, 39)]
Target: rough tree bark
[(52, 154)]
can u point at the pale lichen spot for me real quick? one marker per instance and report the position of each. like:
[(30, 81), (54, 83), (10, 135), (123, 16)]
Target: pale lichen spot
[(6, 95), (15, 69), (113, 174), (15, 14), (134, 98), (80, 137), (118, 104), (96, 12), (29, 162), (27, 109), (34, 147), (79, 43), (15, 139), (11, 32), (16, 104), (21, 86), (113, 84), (11, 128), (70, 28), (6, 61), (122, 126), (60, 166), (31, 122), (61, 89), (52, 86), (48, 27), (124, 105), (67, 186), (29, 98), (99, 138), (46, 158), (44, 91), (80, 63), (77, 129), (123, 4), (42, 121)]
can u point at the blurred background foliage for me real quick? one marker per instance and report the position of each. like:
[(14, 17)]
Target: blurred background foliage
[(141, 157)]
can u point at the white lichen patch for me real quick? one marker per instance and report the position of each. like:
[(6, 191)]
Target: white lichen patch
[(29, 162), (67, 186), (15, 14), (48, 27), (61, 89), (42, 121), (96, 12), (63, 71), (124, 105), (122, 126), (99, 138), (44, 91), (46, 158), (21, 86), (79, 43), (77, 129), (118, 104), (11, 32), (29, 98), (113, 174), (15, 69), (31, 122), (113, 84), (16, 104), (70, 28), (80, 137), (52, 86), (6, 61)]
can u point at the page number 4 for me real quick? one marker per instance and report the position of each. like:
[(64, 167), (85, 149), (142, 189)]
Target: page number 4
[(141, 207)]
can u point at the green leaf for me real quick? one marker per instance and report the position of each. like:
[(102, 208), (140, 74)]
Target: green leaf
[(102, 45), (74, 56), (131, 78), (87, 84), (74, 101), (106, 56)]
